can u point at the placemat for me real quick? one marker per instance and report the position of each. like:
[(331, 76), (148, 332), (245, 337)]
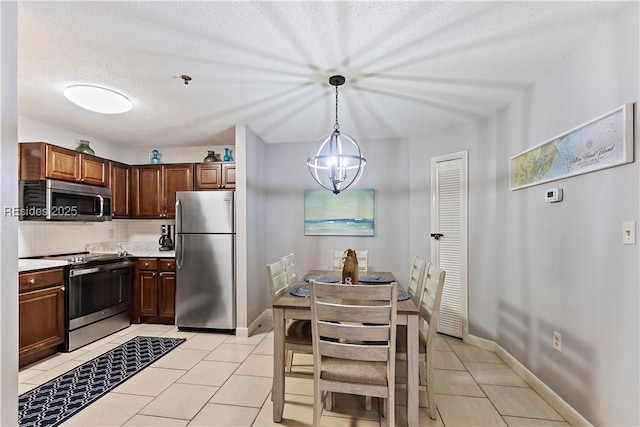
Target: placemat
[(375, 278), (305, 292), (322, 278)]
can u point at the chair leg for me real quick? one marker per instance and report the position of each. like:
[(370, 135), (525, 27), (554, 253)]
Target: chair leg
[(317, 406), (367, 403), (430, 391), (329, 401)]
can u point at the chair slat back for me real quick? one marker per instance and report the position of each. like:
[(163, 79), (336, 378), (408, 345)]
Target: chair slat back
[(290, 264), (371, 311), (416, 279), (363, 260), (430, 302), (278, 279)]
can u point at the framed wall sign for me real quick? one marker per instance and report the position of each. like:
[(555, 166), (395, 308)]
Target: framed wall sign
[(603, 142), (349, 213)]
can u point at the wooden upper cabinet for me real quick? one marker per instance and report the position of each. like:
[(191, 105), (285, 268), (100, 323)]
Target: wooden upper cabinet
[(146, 186), (119, 183), (215, 176), (153, 188), (176, 177), (39, 160)]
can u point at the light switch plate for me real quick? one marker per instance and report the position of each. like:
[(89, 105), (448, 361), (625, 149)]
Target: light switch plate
[(629, 232)]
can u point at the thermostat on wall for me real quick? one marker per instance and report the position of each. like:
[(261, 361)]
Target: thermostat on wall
[(553, 195)]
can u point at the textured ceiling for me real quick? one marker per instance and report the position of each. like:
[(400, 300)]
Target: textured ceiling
[(411, 67)]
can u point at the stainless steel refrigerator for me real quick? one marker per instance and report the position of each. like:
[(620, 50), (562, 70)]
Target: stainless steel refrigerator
[(205, 243)]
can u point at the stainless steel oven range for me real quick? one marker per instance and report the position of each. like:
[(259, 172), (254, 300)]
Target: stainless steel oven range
[(97, 297)]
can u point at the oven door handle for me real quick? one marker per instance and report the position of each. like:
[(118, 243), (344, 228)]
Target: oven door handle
[(100, 268)]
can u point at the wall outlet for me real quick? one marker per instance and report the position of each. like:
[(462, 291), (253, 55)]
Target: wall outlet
[(557, 341)]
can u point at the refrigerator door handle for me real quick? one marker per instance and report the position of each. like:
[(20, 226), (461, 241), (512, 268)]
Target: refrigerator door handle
[(179, 251), (178, 216)]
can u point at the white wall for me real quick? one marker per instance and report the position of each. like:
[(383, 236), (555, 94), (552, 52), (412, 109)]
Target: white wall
[(8, 224), (386, 171), (180, 154), (256, 225), (30, 130), (563, 266)]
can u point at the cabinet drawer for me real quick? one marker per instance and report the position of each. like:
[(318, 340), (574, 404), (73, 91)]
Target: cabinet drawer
[(40, 279), (148, 264), (167, 264)]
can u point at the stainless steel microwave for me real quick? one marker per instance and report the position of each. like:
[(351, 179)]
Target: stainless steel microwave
[(51, 200)]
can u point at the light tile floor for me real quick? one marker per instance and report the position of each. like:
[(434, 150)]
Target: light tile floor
[(223, 380)]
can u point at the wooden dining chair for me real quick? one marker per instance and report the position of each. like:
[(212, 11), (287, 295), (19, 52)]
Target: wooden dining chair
[(363, 260), (353, 329), (416, 279), (429, 306), (298, 332), (290, 264)]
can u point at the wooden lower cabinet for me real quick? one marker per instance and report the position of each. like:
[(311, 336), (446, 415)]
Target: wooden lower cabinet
[(155, 291), (41, 314)]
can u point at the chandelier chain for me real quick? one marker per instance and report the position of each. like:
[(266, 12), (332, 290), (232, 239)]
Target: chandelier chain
[(337, 125)]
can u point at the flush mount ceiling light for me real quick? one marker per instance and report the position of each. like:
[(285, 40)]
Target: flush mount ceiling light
[(98, 99), (335, 161)]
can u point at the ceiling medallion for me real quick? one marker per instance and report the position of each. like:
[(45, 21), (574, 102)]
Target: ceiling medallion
[(335, 160)]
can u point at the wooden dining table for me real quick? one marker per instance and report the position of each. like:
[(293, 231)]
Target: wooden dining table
[(289, 306)]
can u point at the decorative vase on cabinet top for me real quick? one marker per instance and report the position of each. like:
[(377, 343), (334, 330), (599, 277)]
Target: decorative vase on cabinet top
[(212, 157), (155, 157), (227, 155), (85, 148)]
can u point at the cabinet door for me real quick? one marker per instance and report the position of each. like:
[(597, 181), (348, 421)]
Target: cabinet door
[(41, 319), (146, 186), (119, 181), (176, 177), (62, 163), (229, 176), (148, 292), (167, 294), (93, 170), (208, 176)]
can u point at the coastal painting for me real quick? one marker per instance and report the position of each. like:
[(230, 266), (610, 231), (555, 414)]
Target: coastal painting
[(349, 213)]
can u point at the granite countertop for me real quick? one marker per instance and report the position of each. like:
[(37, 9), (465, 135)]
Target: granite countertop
[(135, 249), (39, 264)]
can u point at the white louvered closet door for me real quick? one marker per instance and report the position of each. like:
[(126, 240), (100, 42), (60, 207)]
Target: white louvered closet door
[(449, 238)]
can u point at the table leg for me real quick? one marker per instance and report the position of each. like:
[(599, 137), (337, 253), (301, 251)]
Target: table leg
[(413, 374), (277, 389)]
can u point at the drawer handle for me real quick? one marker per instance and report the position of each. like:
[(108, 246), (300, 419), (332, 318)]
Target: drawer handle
[(168, 265), (62, 289), (146, 264), (32, 281)]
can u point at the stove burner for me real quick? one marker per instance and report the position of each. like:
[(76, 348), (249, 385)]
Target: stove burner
[(87, 257)]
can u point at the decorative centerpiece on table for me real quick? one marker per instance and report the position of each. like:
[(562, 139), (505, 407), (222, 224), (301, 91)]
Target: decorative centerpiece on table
[(349, 266)]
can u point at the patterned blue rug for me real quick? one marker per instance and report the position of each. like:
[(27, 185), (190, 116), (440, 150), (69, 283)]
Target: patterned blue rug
[(53, 402)]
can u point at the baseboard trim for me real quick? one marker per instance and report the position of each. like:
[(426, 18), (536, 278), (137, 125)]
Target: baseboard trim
[(483, 343), (564, 409), (247, 332)]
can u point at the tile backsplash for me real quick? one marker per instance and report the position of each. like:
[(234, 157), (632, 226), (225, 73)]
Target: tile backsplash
[(38, 238)]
